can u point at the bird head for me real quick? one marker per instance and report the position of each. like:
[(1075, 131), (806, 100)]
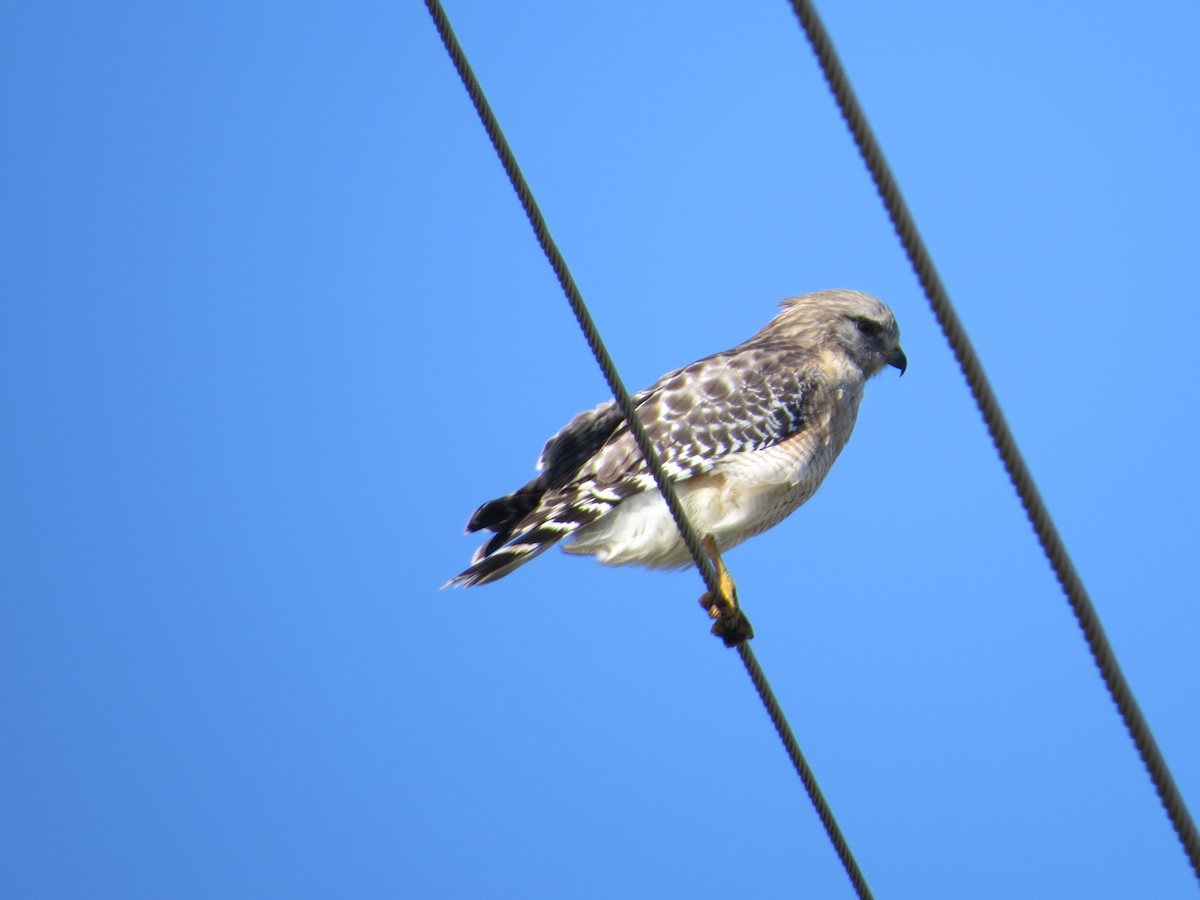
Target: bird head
[(848, 322)]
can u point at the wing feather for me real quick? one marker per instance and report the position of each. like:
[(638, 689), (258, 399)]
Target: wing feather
[(734, 402), (739, 401)]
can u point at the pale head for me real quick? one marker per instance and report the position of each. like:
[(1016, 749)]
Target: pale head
[(840, 321)]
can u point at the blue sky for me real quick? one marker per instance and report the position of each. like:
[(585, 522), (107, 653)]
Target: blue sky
[(274, 325)]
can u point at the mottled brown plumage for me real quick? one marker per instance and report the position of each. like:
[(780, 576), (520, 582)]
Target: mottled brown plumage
[(748, 435)]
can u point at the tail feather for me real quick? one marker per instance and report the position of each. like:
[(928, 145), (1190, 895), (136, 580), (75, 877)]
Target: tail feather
[(518, 541), (498, 563), (505, 513), (532, 519)]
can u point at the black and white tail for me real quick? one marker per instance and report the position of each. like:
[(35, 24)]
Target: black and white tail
[(557, 503), (527, 523)]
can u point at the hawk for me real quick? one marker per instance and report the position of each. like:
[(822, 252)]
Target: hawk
[(746, 435)]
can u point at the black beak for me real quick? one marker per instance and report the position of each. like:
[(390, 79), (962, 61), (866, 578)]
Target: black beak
[(899, 360)]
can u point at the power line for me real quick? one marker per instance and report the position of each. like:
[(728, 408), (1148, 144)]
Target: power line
[(608, 367), (1002, 437)]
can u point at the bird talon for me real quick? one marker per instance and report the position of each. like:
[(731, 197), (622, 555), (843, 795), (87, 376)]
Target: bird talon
[(731, 624)]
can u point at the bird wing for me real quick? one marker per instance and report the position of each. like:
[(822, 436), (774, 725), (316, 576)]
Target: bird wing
[(734, 402), (742, 400)]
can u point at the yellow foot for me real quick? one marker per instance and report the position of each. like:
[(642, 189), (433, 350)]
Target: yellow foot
[(730, 624)]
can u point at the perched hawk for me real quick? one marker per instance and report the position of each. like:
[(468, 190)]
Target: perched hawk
[(747, 435)]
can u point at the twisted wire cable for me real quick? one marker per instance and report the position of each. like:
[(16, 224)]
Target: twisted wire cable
[(1006, 445), (665, 486)]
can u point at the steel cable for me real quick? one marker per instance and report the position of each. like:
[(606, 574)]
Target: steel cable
[(608, 367), (1018, 472)]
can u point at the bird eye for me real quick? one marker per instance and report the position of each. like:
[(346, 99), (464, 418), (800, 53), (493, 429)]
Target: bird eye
[(868, 327)]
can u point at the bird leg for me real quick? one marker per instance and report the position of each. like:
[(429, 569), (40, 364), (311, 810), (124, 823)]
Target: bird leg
[(731, 624)]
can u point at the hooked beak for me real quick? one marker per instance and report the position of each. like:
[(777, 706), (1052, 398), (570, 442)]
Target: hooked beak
[(899, 360)]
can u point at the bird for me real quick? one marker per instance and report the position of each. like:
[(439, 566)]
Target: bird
[(746, 435)]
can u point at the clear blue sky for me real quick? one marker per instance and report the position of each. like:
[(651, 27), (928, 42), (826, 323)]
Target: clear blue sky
[(273, 325)]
